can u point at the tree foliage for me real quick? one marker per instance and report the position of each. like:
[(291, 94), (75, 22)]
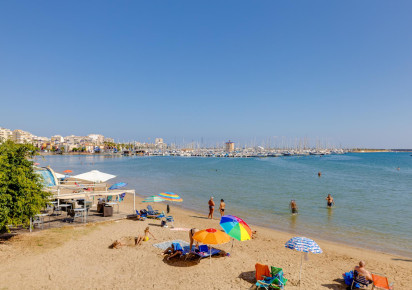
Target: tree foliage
[(21, 189)]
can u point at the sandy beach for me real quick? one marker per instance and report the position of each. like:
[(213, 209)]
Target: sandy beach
[(78, 257)]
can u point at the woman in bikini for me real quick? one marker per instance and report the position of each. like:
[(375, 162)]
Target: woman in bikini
[(222, 207), (191, 234)]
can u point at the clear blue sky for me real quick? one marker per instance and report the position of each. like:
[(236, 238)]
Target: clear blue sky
[(340, 71)]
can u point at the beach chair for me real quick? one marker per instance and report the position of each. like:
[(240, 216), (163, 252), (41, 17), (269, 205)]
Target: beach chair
[(151, 211), (273, 279), (121, 197), (261, 271), (381, 282), (279, 281), (360, 280)]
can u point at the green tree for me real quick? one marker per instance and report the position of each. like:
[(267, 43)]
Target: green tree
[(21, 189)]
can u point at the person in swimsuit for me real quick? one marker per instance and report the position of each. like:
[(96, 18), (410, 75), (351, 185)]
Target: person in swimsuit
[(330, 200), (293, 206), (222, 207), (145, 237), (191, 234), (319, 174), (211, 207), (362, 271)]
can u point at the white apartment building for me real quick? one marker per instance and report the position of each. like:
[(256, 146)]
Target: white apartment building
[(20, 136), (96, 138), (57, 139), (5, 134)]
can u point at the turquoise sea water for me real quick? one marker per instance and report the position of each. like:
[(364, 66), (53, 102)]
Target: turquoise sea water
[(373, 198)]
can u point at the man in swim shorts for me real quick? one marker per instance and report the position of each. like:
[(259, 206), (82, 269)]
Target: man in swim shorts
[(211, 207), (330, 200), (293, 206), (222, 207)]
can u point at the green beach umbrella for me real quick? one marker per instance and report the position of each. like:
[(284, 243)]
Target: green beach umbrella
[(153, 198)]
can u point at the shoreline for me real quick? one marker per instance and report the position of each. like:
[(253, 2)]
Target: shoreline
[(89, 263), (284, 231)]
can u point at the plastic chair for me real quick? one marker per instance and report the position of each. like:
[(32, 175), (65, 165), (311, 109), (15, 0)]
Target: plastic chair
[(381, 282)]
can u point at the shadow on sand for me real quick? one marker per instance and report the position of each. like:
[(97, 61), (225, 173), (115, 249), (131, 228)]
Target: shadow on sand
[(340, 284), (404, 260), (248, 277), (180, 262)]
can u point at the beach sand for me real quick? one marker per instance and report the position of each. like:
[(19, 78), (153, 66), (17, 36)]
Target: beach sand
[(78, 257)]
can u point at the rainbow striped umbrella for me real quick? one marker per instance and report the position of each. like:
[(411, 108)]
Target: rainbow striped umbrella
[(153, 198), (170, 196), (236, 227)]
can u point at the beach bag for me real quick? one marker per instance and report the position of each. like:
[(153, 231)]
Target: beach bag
[(348, 277)]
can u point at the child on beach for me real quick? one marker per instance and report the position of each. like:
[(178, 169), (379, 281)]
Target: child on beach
[(145, 237), (222, 207)]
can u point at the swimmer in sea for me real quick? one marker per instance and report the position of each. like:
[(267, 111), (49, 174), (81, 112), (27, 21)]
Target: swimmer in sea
[(330, 201), (319, 174), (293, 206)]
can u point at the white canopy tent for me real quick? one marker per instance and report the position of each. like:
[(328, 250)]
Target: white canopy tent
[(95, 176)]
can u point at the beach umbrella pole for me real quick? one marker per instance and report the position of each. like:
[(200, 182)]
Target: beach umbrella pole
[(300, 272)]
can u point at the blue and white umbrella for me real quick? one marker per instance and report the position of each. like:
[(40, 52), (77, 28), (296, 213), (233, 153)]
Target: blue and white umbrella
[(303, 245), (118, 185)]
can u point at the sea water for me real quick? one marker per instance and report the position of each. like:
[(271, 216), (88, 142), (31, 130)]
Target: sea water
[(373, 198)]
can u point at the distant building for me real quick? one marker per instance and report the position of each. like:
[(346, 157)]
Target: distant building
[(5, 134), (96, 138), (160, 144), (230, 146), (57, 139), (20, 136)]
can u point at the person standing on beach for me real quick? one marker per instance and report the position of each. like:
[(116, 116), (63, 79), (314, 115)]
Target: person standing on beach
[(330, 200), (211, 207), (222, 207), (293, 206), (192, 232)]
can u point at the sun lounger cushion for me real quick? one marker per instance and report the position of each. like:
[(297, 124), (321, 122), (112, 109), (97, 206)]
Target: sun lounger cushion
[(380, 282), (261, 270)]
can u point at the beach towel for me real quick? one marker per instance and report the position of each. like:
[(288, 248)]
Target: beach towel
[(262, 270), (163, 246), (180, 229)]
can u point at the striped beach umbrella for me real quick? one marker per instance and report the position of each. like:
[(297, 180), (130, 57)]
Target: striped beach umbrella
[(153, 198), (303, 245), (236, 227), (170, 196)]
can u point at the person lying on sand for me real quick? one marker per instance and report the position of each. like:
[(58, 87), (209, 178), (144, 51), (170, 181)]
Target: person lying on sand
[(124, 242), (145, 237), (174, 250)]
